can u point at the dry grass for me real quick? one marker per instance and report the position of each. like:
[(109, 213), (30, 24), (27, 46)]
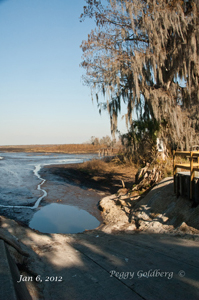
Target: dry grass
[(166, 166), (67, 148), (110, 169), (96, 165)]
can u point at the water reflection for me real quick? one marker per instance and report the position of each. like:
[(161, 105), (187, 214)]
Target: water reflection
[(60, 218)]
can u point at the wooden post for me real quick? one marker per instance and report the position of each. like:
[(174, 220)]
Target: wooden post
[(191, 175), (174, 171)]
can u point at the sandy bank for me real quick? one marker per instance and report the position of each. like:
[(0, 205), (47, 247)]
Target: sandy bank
[(160, 211)]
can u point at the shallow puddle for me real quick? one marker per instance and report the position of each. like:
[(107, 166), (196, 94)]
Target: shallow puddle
[(60, 218)]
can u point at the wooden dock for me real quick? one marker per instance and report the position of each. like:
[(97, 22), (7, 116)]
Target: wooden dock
[(186, 183)]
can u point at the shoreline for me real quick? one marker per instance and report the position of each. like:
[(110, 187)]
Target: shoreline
[(64, 191), (69, 184), (159, 211), (136, 233), (24, 212)]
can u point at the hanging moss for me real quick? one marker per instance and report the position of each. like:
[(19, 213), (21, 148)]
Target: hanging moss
[(138, 53)]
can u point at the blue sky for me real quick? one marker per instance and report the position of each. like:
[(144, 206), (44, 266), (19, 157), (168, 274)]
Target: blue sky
[(43, 99)]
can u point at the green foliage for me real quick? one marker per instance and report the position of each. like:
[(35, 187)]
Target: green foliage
[(141, 130), (140, 140)]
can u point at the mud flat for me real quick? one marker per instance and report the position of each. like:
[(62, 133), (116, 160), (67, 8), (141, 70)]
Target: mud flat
[(23, 191)]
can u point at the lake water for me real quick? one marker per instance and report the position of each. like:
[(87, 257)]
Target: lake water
[(21, 188)]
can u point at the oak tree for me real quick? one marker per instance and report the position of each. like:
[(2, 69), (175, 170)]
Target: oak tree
[(146, 54)]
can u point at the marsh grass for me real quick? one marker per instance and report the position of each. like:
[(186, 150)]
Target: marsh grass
[(96, 166), (65, 148)]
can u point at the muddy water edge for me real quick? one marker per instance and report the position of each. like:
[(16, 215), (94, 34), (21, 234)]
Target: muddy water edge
[(27, 183)]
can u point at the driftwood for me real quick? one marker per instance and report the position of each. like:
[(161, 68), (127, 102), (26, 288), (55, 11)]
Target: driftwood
[(12, 242), (142, 172), (146, 178), (123, 190), (123, 184)]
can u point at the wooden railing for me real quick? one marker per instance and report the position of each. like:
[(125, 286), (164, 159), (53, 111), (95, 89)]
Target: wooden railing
[(192, 166)]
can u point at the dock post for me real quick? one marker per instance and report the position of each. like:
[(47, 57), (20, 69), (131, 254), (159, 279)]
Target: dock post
[(174, 171), (191, 175)]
